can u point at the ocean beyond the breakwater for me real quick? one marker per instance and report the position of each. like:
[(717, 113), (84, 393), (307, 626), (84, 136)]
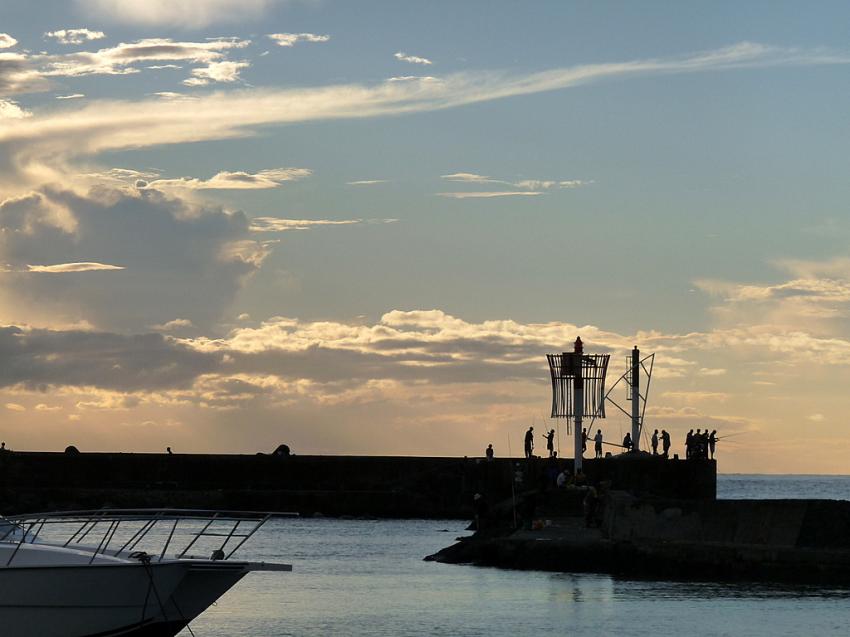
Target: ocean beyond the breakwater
[(367, 577)]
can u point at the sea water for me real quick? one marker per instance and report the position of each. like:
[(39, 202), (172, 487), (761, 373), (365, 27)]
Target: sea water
[(367, 577)]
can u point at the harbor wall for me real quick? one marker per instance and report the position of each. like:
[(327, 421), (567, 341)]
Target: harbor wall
[(380, 486)]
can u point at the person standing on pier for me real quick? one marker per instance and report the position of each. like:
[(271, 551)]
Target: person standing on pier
[(689, 443), (550, 442), (583, 440), (655, 443), (627, 442), (597, 439), (489, 451), (665, 442), (529, 442), (712, 441)]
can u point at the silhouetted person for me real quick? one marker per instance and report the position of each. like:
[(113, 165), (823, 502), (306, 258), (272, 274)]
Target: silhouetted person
[(654, 441), (168, 450), (627, 442), (583, 440), (489, 451), (712, 441), (597, 439), (665, 442), (689, 443), (282, 451), (2, 447), (550, 442), (529, 442)]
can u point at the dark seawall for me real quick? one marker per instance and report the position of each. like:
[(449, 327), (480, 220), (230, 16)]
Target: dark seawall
[(379, 486)]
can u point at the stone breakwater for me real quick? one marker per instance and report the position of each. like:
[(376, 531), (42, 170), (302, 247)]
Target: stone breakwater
[(801, 541), (376, 486)]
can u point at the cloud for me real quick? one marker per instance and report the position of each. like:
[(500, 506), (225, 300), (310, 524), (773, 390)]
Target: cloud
[(816, 418), (185, 13), (25, 72), (7, 41), (74, 36), (12, 110), (291, 39), (72, 96), (525, 184), (225, 71), (489, 194), (412, 59), (181, 258), (175, 324), (367, 182), (276, 224), (113, 125), (239, 180), (64, 268), (15, 407)]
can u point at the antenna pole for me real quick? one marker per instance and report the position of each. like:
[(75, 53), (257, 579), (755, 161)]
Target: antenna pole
[(578, 395), (636, 399)]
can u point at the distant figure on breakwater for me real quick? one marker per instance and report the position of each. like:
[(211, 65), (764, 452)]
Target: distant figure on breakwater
[(529, 442), (597, 439), (489, 451), (168, 450), (655, 443), (689, 443), (665, 442), (550, 442), (627, 442), (583, 440), (712, 441), (3, 447)]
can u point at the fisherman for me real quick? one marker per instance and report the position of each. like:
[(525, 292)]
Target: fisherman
[(583, 440), (698, 445), (712, 441), (550, 442), (627, 442), (597, 439), (665, 442), (689, 443), (489, 451), (654, 441), (529, 442)]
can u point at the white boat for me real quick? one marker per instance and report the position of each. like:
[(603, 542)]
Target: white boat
[(85, 573)]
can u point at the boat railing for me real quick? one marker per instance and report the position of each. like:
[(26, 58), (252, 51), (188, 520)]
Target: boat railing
[(117, 532)]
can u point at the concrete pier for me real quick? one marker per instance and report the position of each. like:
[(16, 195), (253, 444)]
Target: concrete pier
[(379, 486)]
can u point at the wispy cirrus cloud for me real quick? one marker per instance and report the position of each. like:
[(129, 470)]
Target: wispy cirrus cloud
[(489, 194), (529, 187), (74, 36), (412, 59), (65, 268), (276, 224), (72, 96), (367, 182), (227, 180), (122, 124), (291, 39)]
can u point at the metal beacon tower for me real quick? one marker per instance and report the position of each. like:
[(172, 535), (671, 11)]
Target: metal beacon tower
[(578, 389)]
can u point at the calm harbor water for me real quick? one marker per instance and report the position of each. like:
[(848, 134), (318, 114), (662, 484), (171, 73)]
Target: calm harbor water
[(367, 577)]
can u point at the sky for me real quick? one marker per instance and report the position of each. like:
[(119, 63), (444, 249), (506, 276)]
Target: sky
[(358, 227)]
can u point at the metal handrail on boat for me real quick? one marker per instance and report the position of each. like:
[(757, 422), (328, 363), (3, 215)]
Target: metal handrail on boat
[(101, 526)]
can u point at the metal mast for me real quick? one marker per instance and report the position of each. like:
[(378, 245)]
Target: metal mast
[(636, 410)]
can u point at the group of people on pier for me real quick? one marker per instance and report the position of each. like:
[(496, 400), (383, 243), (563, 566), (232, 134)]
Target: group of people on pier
[(699, 445)]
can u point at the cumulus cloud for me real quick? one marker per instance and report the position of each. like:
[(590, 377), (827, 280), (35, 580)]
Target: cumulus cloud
[(181, 259), (185, 13), (291, 39), (412, 59), (74, 36), (225, 71), (7, 41), (12, 110)]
